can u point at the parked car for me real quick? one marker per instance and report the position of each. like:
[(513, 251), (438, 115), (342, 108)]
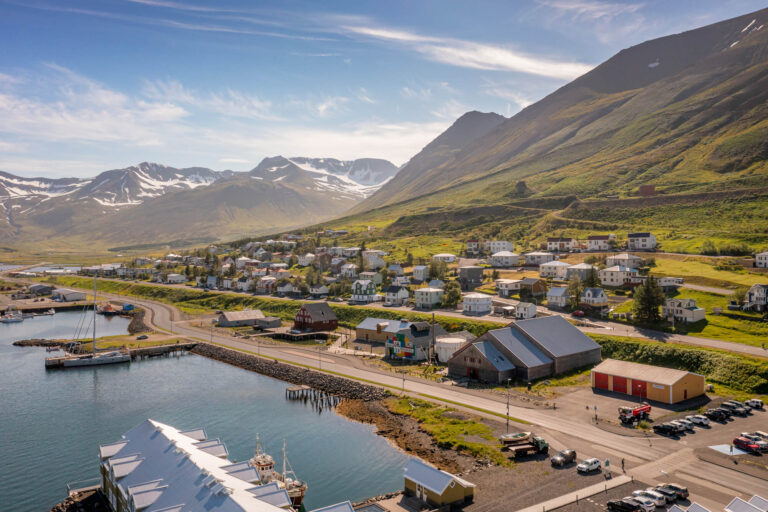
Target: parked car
[(739, 404), (759, 441), (678, 425), (665, 429), (746, 445), (142, 337), (715, 415), (563, 458), (646, 505), (734, 409), (755, 403), (727, 412), (669, 495), (658, 499), (578, 313), (698, 419), (589, 466), (681, 490), (762, 434), (623, 506), (687, 424)]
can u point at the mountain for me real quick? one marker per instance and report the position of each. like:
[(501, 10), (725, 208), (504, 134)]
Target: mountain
[(411, 178), (683, 112)]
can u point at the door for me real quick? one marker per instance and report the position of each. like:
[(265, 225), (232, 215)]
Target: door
[(421, 493), (685, 394), (619, 384), (601, 380), (639, 388)]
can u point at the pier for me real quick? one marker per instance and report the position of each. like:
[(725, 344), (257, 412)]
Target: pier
[(160, 350), (319, 400)]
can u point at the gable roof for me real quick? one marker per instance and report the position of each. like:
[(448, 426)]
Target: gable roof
[(595, 292), (248, 314), (649, 373), (520, 346), (393, 326), (556, 335), (319, 311), (430, 477), (739, 505), (644, 234), (558, 291)]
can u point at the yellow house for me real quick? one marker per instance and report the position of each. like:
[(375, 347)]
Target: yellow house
[(434, 487), (648, 382)]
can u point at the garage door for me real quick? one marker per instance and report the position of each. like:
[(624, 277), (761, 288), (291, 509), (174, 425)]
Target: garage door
[(639, 388), (619, 384), (601, 380)]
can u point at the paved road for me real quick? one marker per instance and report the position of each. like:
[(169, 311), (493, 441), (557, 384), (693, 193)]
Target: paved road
[(710, 289)]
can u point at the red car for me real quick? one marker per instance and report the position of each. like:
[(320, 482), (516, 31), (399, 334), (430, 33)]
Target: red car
[(746, 445), (578, 313)]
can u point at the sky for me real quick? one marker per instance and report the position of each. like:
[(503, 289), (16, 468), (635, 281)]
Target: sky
[(92, 85)]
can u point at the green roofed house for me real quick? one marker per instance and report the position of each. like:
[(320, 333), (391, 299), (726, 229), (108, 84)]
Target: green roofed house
[(434, 487)]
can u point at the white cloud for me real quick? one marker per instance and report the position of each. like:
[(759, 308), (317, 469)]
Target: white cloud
[(469, 54), (506, 92), (52, 168), (592, 10), (364, 96), (10, 79), (234, 160), (451, 110), (421, 93)]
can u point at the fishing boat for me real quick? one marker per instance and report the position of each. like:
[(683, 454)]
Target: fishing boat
[(265, 466), (514, 438), (69, 360), (11, 318)]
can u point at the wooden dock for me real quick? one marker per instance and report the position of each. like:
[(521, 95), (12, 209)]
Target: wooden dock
[(319, 400), (160, 350)]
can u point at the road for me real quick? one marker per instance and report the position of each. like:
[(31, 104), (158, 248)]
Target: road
[(710, 289)]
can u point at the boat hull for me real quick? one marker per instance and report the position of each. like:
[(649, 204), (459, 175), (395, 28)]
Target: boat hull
[(86, 360)]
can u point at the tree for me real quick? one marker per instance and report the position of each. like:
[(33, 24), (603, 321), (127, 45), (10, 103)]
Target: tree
[(494, 275), (451, 294), (708, 247), (739, 296), (574, 292), (648, 300), (592, 280), (409, 260), (293, 261), (437, 269)]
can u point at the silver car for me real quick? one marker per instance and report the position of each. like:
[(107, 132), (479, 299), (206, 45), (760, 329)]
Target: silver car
[(658, 499)]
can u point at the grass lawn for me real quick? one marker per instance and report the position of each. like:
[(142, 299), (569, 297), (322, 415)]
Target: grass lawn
[(696, 271)]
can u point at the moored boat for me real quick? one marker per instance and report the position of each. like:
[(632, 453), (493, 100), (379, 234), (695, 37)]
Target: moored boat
[(265, 466)]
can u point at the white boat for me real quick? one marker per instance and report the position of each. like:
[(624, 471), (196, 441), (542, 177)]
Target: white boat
[(95, 358), (265, 466), (11, 318)]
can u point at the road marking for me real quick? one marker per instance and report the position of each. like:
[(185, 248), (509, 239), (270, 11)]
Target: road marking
[(308, 356), (616, 453)]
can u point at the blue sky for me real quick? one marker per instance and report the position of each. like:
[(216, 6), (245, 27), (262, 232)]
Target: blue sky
[(91, 85)]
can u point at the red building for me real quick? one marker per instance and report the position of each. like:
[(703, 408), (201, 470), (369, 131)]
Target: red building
[(315, 316)]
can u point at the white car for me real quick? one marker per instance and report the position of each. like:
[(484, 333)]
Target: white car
[(645, 502), (755, 403), (679, 426), (658, 499), (698, 419), (588, 466), (759, 441), (687, 424)]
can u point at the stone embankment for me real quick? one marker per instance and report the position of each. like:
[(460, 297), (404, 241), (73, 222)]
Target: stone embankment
[(137, 325), (37, 342), (338, 386)]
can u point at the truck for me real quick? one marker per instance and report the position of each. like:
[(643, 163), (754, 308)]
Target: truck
[(535, 444), (128, 307), (634, 413)]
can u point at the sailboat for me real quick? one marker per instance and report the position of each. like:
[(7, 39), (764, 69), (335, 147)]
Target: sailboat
[(265, 466), (69, 360)]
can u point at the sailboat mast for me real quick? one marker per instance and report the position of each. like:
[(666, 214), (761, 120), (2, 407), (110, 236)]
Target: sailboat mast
[(94, 312), (284, 475)]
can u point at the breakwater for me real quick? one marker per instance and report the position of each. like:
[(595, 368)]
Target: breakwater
[(330, 384)]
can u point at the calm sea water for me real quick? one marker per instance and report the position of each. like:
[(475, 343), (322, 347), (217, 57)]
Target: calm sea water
[(51, 423)]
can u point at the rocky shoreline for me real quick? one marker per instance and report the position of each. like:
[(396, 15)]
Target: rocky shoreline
[(38, 342), (338, 386), (137, 325)]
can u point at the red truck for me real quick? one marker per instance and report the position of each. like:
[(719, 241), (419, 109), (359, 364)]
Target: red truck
[(635, 413)]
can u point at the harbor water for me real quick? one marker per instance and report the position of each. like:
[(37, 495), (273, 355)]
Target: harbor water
[(52, 422)]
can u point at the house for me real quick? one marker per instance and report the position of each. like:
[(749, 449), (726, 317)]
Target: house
[(525, 350), (445, 257), (761, 260), (259, 272), (494, 246), (757, 297), (396, 269), (476, 304), (226, 283), (504, 259), (349, 252), (558, 296), (287, 289), (175, 278), (319, 291), (538, 257), (364, 290), (581, 270), (436, 488), (156, 467), (427, 298), (212, 282), (647, 382), (525, 310), (641, 242), (420, 273), (682, 311), (239, 318), (65, 295), (436, 283), (396, 295), (561, 244), (372, 259), (413, 342), (244, 284), (266, 284), (669, 284), (371, 276), (470, 277), (507, 287), (555, 269), (533, 287), (274, 267), (379, 329), (242, 262), (473, 247), (306, 260), (315, 316), (594, 297), (616, 275), (280, 274), (40, 289), (625, 260), (600, 242), (401, 281), (348, 270)]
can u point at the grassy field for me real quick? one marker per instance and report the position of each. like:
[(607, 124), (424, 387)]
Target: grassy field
[(703, 271), (451, 429)]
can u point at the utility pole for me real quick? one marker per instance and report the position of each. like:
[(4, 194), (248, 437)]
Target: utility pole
[(508, 405), (319, 359)]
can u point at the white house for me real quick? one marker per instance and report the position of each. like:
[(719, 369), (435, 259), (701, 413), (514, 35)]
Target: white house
[(396, 268), (420, 273), (616, 275), (371, 276), (641, 241), (582, 270), (525, 310), (348, 270), (477, 304), (175, 278), (506, 287), (558, 296), (427, 298), (318, 290), (600, 242), (259, 272), (473, 247), (561, 244), (757, 297), (625, 260), (445, 257), (504, 259), (494, 246), (306, 260), (761, 260), (555, 269), (373, 259), (594, 297), (241, 262), (682, 311), (401, 281), (396, 296), (244, 284), (538, 257), (287, 289)]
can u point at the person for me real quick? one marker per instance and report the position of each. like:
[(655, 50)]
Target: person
[(622, 466)]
